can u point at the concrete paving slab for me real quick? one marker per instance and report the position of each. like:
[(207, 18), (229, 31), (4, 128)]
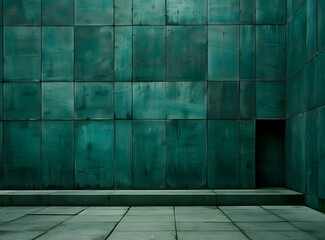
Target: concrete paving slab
[(279, 235), (60, 210), (130, 226), (163, 235), (206, 226), (267, 226), (24, 235), (208, 235)]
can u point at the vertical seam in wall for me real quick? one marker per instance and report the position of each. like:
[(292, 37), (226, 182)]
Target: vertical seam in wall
[(3, 105), (255, 89), (132, 105), (74, 95), (166, 82), (207, 93), (41, 184), (239, 94), (113, 99)]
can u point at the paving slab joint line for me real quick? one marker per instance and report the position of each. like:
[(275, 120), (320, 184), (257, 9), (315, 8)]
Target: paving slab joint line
[(110, 233)]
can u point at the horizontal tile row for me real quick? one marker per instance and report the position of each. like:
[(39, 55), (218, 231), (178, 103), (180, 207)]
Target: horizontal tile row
[(142, 100), (144, 53), (128, 154), (142, 12)]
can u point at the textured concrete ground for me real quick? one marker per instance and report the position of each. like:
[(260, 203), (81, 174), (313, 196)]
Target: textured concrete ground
[(165, 223)]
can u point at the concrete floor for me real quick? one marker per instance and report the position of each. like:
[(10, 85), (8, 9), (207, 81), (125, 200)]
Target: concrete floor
[(165, 223)]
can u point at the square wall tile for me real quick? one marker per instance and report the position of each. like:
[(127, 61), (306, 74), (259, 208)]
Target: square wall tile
[(186, 12), (270, 11), (149, 100), (186, 100), (223, 100), (247, 11), (149, 12), (186, 53), (247, 53), (149, 53), (223, 154), (247, 100), (22, 53), (149, 155), (94, 154), (57, 53), (223, 12), (186, 154), (270, 52), (123, 100), (1, 101), (58, 154), (57, 100), (94, 100), (57, 12), (22, 101), (123, 53), (123, 154), (223, 53), (270, 100), (94, 54), (21, 12), (320, 78), (123, 12), (22, 155), (94, 12)]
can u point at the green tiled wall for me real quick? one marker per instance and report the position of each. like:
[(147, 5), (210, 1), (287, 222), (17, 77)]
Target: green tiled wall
[(142, 94), (305, 111)]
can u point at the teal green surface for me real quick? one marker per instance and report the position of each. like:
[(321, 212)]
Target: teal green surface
[(186, 100), (223, 53), (149, 100), (148, 53), (186, 154), (186, 53), (1, 50), (123, 12), (247, 100), (298, 57), (321, 151), (58, 154), (21, 12), (94, 54), (57, 12), (320, 84), (311, 35), (123, 53), (223, 100), (292, 6), (270, 11), (1, 154), (94, 12), (247, 153), (149, 12), (94, 161), (270, 52), (94, 100), (149, 155), (57, 53), (57, 100), (223, 154), (270, 100), (190, 12), (247, 11), (22, 47), (321, 25), (1, 101), (123, 154), (296, 93), (311, 152), (22, 101), (247, 52), (312, 88), (123, 100), (224, 12), (22, 155)]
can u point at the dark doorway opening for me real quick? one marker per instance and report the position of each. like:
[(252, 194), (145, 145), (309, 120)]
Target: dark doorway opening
[(269, 152)]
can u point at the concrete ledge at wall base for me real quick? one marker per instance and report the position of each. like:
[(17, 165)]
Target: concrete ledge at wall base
[(271, 196)]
